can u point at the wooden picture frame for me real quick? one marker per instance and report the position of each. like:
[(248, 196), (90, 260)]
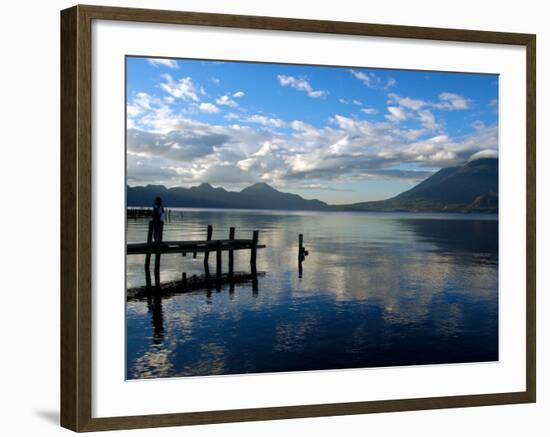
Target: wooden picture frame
[(76, 217)]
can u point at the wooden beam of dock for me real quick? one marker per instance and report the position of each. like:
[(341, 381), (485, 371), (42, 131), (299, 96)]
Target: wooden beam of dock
[(191, 246)]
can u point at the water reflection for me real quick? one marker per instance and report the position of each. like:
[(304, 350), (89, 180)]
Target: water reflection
[(376, 290)]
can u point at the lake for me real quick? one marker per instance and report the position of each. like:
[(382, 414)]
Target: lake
[(377, 289)]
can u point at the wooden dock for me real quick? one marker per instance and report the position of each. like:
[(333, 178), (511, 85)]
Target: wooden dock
[(194, 247)]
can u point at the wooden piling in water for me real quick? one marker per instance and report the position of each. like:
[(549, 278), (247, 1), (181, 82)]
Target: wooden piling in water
[(148, 256), (230, 255), (219, 261), (253, 251), (184, 280), (302, 253)]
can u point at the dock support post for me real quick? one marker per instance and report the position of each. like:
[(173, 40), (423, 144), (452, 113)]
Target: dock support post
[(218, 261), (255, 286), (148, 256), (184, 280), (302, 252), (253, 251), (206, 253), (230, 255)]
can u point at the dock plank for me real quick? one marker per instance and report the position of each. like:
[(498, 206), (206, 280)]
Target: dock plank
[(190, 246)]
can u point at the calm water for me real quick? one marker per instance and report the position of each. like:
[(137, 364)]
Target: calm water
[(378, 289)]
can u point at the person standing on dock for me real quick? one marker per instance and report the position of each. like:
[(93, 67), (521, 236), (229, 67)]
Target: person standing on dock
[(158, 220)]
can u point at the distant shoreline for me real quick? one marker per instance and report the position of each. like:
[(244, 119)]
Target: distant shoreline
[(487, 215)]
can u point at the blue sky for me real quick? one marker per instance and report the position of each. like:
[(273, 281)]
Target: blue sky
[(339, 134)]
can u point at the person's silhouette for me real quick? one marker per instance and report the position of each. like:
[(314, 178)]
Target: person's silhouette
[(158, 220)]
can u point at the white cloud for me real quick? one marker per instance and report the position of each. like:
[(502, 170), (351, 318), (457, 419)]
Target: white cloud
[(300, 84), (265, 121), (451, 102), (226, 101), (163, 62), (238, 94), (369, 111), (208, 107), (427, 120), (176, 150), (183, 88), (141, 103), (357, 102), (488, 153), (407, 102), (447, 101), (371, 80), (396, 114)]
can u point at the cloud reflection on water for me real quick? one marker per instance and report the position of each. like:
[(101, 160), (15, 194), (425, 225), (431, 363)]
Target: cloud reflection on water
[(371, 283)]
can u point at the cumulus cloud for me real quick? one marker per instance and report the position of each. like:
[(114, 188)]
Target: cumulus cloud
[(346, 150), (451, 102), (209, 108), (300, 84), (404, 108), (487, 153), (407, 102), (447, 101), (397, 114), (427, 120), (166, 146), (322, 187), (371, 80), (265, 121), (369, 111), (163, 62), (183, 88), (225, 100)]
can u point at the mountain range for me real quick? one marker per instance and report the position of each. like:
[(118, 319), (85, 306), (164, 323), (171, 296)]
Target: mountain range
[(472, 187), (257, 196)]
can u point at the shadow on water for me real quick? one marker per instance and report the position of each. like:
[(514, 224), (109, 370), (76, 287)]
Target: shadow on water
[(457, 236), (197, 284), (203, 284)]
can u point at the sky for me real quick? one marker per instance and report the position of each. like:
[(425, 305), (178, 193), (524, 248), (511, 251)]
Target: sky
[(338, 134)]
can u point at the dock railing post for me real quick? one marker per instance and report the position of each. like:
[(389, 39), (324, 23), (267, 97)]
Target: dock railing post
[(219, 260), (207, 253), (253, 251), (230, 255), (148, 256)]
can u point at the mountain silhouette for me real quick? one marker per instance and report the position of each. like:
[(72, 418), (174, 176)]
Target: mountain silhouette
[(257, 196), (472, 187)]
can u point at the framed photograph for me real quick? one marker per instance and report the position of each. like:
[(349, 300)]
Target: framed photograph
[(267, 218)]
